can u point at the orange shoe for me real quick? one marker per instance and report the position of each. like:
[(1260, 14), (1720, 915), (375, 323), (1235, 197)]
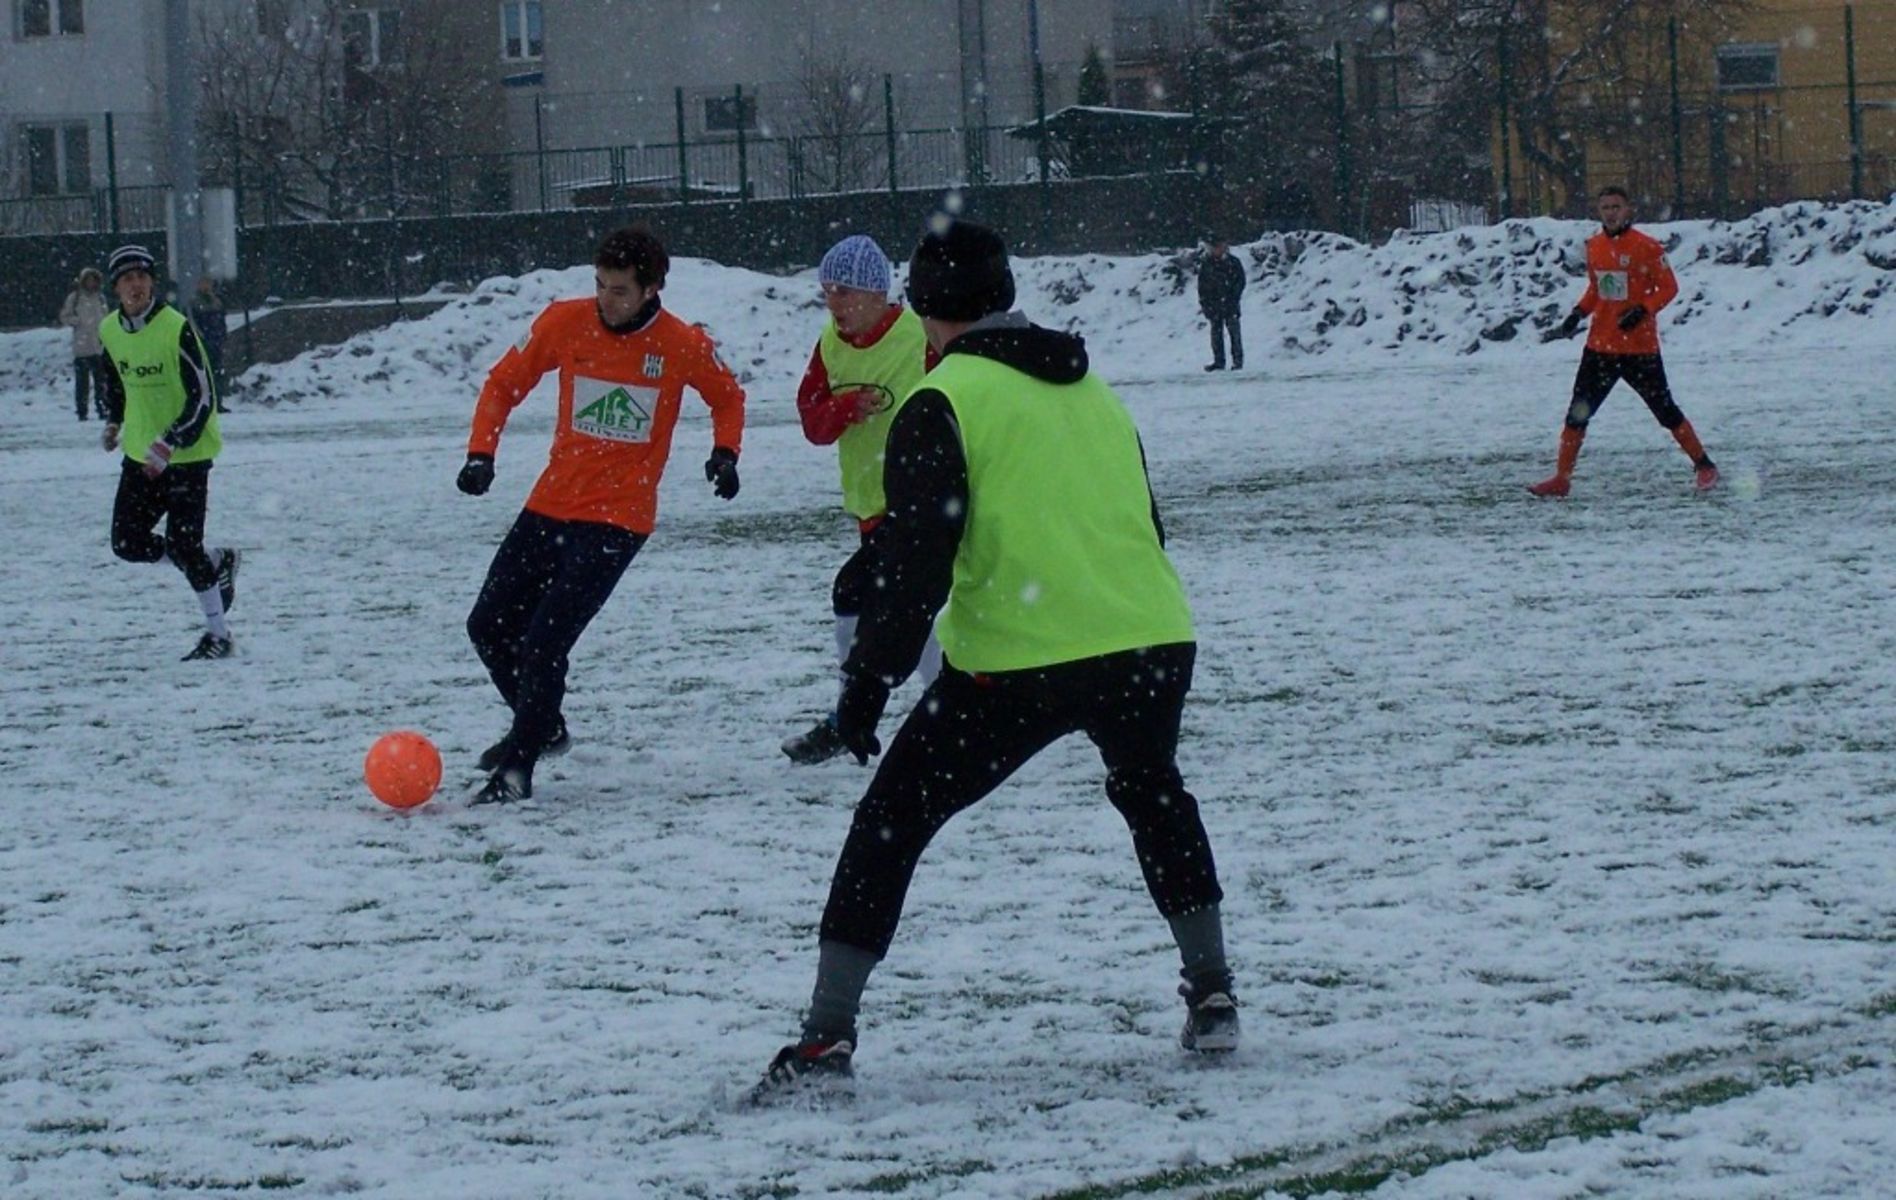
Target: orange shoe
[(1707, 478), (1556, 485)]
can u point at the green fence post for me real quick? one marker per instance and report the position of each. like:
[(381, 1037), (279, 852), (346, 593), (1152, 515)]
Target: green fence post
[(1856, 114), (1678, 126), (1040, 115), (1343, 181), (743, 160), (539, 148), (1506, 195), (684, 180), (111, 172), (888, 124)]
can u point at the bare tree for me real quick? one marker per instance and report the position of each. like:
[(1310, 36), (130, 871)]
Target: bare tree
[(294, 110), (832, 146), (269, 97), (1570, 75)]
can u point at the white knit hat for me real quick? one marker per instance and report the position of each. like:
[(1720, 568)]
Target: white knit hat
[(856, 262)]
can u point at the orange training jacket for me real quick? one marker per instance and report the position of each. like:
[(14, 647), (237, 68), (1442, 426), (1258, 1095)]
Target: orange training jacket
[(1625, 269), (619, 396)]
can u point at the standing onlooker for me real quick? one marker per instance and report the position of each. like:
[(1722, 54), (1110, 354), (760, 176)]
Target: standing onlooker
[(1017, 495), (1628, 282), (624, 362), (159, 407), (207, 313), (1220, 284), (871, 354), (84, 308)]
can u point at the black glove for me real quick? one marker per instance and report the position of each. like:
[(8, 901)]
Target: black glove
[(1632, 316), (720, 471), (1566, 328), (477, 475), (857, 713)]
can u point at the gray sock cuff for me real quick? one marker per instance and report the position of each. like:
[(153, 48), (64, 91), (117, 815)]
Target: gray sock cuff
[(1201, 950), (842, 972)]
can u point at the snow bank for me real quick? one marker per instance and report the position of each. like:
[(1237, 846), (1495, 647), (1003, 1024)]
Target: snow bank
[(1808, 273)]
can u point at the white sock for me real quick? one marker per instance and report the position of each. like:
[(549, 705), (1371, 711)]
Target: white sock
[(845, 639), (212, 602), (930, 666)]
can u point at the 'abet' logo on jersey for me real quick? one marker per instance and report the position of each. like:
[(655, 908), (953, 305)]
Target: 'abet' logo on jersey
[(617, 412)]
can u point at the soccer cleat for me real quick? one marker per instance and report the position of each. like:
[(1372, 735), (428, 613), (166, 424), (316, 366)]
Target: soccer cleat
[(555, 746), (1211, 1022), (820, 744), (505, 787), (1706, 478), (1556, 485), (227, 577), (211, 646), (811, 1060)]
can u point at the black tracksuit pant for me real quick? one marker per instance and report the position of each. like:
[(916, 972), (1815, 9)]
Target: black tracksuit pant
[(969, 733), (179, 497), (88, 384), (1644, 373), (548, 580), (1221, 324)]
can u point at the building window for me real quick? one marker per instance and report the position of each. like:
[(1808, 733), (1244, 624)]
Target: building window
[(722, 114), (57, 159), (1747, 67), (44, 18), (372, 37), (520, 36)]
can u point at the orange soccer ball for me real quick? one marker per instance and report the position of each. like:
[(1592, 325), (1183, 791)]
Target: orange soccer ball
[(403, 769)]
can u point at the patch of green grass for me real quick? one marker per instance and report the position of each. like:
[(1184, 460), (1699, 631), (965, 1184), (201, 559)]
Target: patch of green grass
[(1706, 978), (901, 1181), (74, 1125), (211, 1183), (1881, 1006)]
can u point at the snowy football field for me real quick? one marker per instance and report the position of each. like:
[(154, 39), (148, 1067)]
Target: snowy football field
[(1557, 837)]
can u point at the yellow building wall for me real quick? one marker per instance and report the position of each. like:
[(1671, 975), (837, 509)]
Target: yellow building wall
[(1777, 143)]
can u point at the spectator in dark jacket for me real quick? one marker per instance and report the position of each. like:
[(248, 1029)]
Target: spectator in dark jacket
[(207, 313), (1220, 284)]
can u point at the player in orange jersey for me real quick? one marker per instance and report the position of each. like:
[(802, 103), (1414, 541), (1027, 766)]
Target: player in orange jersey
[(624, 363), (1628, 282)]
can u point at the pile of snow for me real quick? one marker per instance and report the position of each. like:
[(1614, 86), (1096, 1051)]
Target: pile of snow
[(1776, 276), (1806, 273)]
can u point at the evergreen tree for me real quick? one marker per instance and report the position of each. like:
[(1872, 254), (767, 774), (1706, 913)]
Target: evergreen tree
[(1266, 85), (1095, 87)]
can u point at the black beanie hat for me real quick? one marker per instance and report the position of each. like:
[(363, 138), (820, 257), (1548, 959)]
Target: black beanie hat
[(129, 258), (959, 273)]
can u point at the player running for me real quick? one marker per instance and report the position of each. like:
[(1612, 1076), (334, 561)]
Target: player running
[(624, 363)]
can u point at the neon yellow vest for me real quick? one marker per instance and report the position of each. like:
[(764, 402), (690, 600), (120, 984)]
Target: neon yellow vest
[(891, 368), (148, 363), (1059, 559)]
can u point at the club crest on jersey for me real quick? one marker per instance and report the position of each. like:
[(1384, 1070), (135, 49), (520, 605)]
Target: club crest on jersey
[(617, 412), (654, 366)]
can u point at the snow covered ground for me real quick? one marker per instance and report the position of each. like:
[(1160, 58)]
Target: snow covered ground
[(1557, 836)]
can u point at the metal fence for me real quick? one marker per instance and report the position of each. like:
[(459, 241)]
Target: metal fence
[(1731, 153), (1367, 159)]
